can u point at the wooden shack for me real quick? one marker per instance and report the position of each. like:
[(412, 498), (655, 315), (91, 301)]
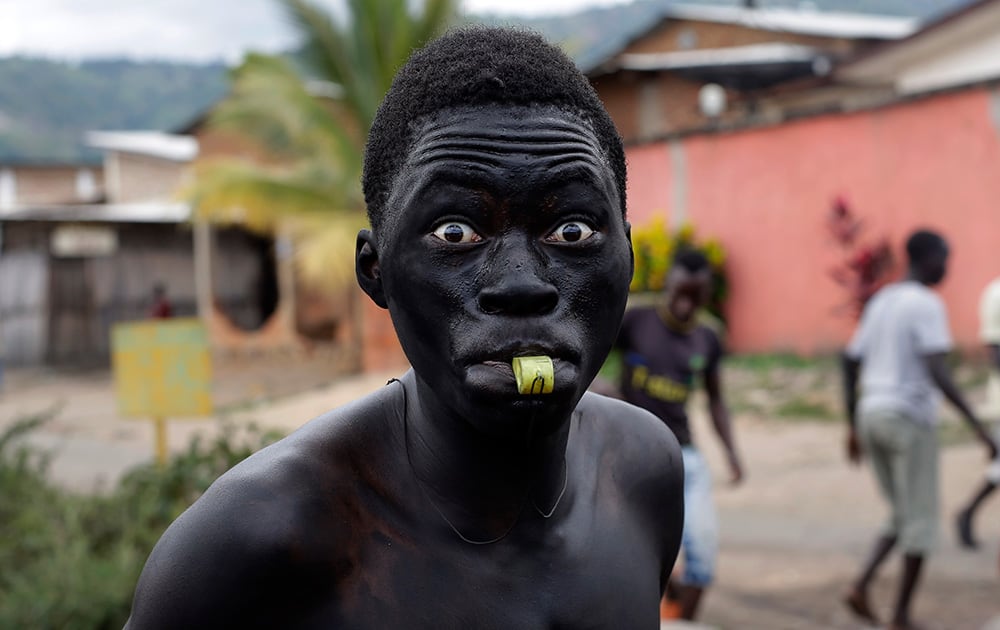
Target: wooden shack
[(69, 270)]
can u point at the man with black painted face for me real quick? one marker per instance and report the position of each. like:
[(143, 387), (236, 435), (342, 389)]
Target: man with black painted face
[(455, 497)]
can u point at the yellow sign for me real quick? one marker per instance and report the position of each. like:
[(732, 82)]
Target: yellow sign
[(162, 368)]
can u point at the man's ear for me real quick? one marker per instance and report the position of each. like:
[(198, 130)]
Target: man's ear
[(631, 252), (366, 267)]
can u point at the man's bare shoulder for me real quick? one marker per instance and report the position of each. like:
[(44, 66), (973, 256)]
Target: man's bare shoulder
[(639, 438), (642, 456), (276, 516), (324, 453)]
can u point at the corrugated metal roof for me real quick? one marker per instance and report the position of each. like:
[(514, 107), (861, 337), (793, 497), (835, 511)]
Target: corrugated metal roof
[(962, 28), (734, 56), (152, 143), (803, 21), (102, 213)]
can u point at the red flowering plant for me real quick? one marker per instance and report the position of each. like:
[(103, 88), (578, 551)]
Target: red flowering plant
[(867, 264)]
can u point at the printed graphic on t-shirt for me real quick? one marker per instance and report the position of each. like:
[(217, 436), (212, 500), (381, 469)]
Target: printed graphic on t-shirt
[(661, 366)]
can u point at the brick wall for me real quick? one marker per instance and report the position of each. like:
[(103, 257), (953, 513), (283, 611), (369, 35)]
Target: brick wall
[(136, 178), (45, 185), (213, 144), (765, 193), (647, 105), (673, 35)]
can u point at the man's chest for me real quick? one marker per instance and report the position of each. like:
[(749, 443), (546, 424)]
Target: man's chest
[(658, 350), (608, 577), (665, 367)]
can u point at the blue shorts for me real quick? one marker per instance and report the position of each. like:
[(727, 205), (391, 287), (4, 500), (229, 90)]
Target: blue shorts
[(700, 540)]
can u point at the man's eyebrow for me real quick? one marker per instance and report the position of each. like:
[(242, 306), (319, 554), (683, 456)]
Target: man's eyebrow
[(575, 171)]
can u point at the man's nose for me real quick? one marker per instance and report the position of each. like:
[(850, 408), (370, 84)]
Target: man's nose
[(516, 287)]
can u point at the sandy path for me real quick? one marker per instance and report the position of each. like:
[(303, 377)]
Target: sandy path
[(792, 535)]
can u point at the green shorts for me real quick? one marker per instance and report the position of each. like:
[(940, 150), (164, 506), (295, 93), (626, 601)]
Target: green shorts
[(904, 456)]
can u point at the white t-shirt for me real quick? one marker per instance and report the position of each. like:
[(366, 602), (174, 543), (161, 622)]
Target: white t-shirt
[(903, 323), (989, 332), (989, 313)]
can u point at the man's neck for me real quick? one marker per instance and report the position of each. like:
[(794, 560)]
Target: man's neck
[(683, 327), (480, 474), (913, 276)]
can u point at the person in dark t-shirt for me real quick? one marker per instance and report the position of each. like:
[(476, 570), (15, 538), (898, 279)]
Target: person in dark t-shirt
[(665, 351), (161, 307)]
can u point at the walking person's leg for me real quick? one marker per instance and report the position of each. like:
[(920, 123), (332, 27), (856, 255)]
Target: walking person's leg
[(964, 519), (857, 598), (700, 540), (918, 466), (881, 448)]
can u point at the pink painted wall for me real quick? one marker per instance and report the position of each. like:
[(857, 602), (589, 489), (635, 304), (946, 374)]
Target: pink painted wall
[(765, 194)]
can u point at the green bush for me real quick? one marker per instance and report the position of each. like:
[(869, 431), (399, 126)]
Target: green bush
[(655, 244), (71, 561)]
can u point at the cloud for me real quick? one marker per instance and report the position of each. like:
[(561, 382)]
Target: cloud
[(533, 7), (192, 30), (187, 30)]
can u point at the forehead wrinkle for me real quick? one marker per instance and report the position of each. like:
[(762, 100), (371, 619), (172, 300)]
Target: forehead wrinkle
[(473, 161), (478, 148), (457, 159), (482, 178), (508, 122), (543, 136)]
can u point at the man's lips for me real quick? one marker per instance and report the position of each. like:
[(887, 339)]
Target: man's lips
[(509, 352), (498, 376)]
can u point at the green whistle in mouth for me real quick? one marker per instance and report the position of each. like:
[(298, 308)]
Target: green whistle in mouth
[(534, 375)]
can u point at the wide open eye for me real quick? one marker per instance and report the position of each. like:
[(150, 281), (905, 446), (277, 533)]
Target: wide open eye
[(571, 232), (455, 232)]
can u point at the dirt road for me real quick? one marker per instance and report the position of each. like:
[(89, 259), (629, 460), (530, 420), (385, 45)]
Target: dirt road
[(792, 534)]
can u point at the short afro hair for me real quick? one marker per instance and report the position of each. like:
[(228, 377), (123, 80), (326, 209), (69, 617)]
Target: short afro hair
[(923, 244), (472, 67), (691, 260)]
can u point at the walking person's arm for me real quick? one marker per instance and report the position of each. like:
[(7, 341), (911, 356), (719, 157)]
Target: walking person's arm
[(721, 421), (851, 368), (851, 362), (937, 367)]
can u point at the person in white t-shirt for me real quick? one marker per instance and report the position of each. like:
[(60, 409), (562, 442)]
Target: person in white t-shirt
[(898, 354), (989, 318)]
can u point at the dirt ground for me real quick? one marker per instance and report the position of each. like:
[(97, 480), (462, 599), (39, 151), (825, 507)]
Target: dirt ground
[(792, 535)]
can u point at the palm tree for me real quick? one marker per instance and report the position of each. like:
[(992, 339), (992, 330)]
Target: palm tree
[(310, 115)]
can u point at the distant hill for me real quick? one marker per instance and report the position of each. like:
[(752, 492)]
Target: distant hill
[(45, 106)]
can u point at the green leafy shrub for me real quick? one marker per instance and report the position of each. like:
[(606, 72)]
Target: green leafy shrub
[(655, 245), (71, 561)]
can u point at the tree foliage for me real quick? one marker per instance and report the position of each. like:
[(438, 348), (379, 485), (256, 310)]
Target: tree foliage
[(310, 115)]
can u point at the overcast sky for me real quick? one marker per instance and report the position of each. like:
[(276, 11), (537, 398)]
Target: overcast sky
[(189, 30)]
